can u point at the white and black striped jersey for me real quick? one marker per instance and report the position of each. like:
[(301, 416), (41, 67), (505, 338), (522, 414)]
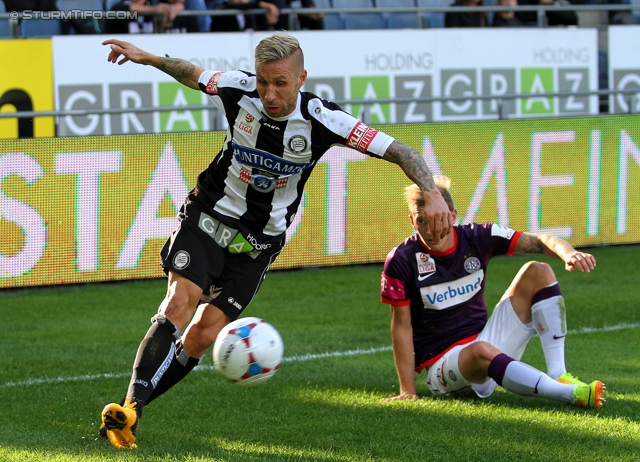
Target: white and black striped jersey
[(257, 179)]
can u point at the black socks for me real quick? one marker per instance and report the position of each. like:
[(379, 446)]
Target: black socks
[(155, 354), (180, 366)]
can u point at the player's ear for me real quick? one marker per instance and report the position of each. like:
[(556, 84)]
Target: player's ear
[(412, 220), (454, 214), (303, 78)]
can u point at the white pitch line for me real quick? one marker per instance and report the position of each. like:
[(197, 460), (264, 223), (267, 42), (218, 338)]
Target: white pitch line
[(590, 330), (286, 359)]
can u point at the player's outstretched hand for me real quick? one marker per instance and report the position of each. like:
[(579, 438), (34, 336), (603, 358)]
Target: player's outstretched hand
[(580, 261), (128, 51), (401, 397), (439, 217)]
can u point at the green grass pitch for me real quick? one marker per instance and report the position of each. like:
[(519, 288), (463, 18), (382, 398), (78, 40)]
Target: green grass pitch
[(65, 352)]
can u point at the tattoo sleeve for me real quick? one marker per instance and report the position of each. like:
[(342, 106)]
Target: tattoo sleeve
[(179, 69), (528, 243), (412, 164)]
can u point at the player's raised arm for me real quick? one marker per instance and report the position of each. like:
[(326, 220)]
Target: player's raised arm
[(555, 247), (182, 70), (438, 215)]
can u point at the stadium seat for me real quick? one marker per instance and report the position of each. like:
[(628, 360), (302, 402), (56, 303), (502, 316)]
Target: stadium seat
[(355, 21), (78, 25), (490, 13), (40, 27), (331, 21), (86, 5), (435, 19), (108, 4), (5, 29), (400, 20), (636, 13)]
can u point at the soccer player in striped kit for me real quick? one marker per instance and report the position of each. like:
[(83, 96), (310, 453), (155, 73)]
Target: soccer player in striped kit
[(233, 223)]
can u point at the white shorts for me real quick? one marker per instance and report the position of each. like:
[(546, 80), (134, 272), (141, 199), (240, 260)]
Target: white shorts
[(503, 330)]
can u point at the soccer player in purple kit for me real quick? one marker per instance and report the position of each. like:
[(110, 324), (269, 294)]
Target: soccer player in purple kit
[(435, 289)]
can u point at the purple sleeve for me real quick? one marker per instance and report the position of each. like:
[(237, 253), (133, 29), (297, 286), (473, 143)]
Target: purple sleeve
[(497, 239), (394, 280)]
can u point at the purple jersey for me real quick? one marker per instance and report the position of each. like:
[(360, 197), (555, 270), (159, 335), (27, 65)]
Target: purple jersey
[(444, 289)]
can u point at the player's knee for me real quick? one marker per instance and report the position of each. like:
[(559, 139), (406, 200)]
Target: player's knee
[(539, 273), (483, 351), (176, 308)]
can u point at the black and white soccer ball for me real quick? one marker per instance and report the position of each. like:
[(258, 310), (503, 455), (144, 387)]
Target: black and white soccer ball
[(248, 351)]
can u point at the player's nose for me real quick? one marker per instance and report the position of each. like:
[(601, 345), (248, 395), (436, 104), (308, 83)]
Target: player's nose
[(270, 93)]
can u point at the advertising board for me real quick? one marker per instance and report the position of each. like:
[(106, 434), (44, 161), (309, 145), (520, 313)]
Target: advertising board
[(420, 63), (26, 84), (624, 69), (100, 208)]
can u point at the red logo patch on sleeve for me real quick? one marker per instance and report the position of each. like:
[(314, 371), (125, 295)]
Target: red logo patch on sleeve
[(212, 85), (361, 136)]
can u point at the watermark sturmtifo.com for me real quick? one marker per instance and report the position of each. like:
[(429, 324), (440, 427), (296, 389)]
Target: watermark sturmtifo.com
[(75, 14)]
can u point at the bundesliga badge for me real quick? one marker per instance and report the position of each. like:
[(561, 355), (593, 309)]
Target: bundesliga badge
[(262, 183), (426, 265)]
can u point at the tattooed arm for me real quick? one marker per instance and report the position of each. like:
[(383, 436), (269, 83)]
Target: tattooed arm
[(413, 165), (555, 247), (181, 70)]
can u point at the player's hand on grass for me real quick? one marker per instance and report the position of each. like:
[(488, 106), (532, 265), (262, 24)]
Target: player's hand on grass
[(581, 261), (401, 397), (129, 52)]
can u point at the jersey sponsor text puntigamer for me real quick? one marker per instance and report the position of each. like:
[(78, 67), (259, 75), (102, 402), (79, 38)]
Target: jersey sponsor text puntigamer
[(256, 181)]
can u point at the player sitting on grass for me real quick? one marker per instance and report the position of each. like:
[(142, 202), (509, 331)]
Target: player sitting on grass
[(435, 289)]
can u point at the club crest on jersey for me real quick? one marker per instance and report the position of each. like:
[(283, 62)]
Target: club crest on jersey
[(426, 265), (472, 264), (297, 143), (181, 259)]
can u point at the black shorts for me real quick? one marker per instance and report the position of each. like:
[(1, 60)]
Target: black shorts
[(227, 265)]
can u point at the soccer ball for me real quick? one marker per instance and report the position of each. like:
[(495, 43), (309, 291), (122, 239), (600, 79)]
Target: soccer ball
[(248, 351)]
